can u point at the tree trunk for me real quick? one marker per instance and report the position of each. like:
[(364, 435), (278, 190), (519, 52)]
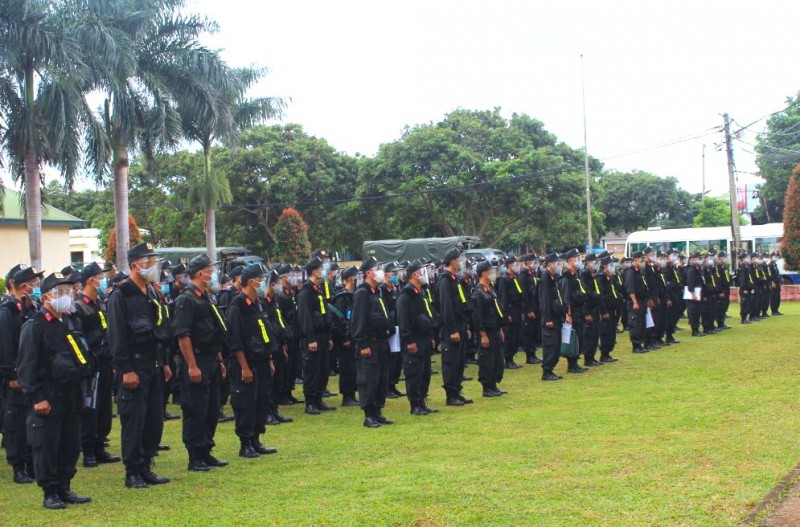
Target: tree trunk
[(210, 214), (33, 209), (121, 165), (211, 234)]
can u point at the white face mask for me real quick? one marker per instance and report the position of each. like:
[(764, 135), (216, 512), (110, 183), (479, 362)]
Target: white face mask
[(673, 258), (423, 277), (379, 276), (558, 268), (662, 262), (612, 269), (150, 275), (492, 277), (61, 304)]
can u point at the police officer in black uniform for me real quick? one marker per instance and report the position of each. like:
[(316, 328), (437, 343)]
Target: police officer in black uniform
[(314, 323), (390, 289), (594, 301), (674, 285), (511, 293), (17, 308), (278, 323), (415, 317), (775, 285), (287, 303), (201, 331), (254, 345), (454, 332), (531, 335), (575, 300), (89, 308), (488, 319), (371, 326), (553, 310), (53, 364), (744, 275), (342, 340), (637, 292), (608, 304), (695, 282), (137, 333)]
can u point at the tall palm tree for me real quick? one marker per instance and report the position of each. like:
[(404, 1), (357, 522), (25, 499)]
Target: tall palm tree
[(211, 189), (168, 68), (42, 109)]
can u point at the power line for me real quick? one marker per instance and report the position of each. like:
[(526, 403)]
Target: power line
[(664, 144)]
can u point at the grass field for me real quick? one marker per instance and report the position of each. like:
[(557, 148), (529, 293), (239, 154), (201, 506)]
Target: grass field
[(690, 435)]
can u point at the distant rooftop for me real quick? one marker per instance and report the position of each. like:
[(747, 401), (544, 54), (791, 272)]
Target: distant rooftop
[(13, 213)]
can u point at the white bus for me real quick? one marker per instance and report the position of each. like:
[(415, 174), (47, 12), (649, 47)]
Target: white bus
[(755, 238)]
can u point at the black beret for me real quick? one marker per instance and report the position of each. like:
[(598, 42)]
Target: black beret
[(605, 254), (92, 270), (723, 254), (391, 267), (236, 271), (349, 272), (313, 264), (140, 250), (198, 263), (178, 269), (649, 249), (119, 277), (673, 251), (224, 279), (754, 255), (284, 269), (27, 274), (368, 264), (591, 257), (321, 254), (605, 261), (530, 257), (552, 257), (413, 267), (511, 260), (10, 274), (166, 265), (334, 266), (572, 253), (68, 270), (696, 254), (451, 255), (482, 268), (625, 259), (252, 271), (54, 279)]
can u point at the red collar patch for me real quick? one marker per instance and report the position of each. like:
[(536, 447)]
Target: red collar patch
[(198, 292), (248, 301), (86, 300), (48, 317)]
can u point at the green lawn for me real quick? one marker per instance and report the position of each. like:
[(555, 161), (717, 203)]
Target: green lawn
[(690, 435)]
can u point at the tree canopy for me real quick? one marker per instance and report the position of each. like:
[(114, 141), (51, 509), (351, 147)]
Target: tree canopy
[(778, 151)]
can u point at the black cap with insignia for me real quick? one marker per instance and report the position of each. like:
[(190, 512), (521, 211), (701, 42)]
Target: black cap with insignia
[(55, 279), (141, 250)]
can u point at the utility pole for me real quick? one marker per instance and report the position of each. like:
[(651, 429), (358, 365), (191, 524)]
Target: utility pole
[(586, 165), (704, 173), (732, 184)]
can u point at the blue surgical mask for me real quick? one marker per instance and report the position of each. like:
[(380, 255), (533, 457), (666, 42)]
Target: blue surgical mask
[(165, 289), (213, 282), (394, 279), (36, 295), (103, 284), (326, 266), (503, 269), (261, 290)]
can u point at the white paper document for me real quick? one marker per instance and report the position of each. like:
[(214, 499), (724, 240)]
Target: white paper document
[(697, 291), (687, 295), (394, 341), (566, 333), (648, 318)]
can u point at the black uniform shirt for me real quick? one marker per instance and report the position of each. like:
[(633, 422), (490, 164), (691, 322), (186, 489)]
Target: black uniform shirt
[(136, 327), (196, 315), (488, 316), (313, 317), (551, 303), (249, 330), (415, 316), (13, 313), (52, 356), (370, 320)]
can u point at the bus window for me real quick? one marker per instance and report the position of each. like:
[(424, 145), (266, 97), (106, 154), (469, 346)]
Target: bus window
[(708, 245), (768, 245)]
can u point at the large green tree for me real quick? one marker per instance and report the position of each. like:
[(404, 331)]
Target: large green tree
[(42, 108), (636, 200), (477, 173), (778, 151), (236, 111), (162, 67), (714, 212)]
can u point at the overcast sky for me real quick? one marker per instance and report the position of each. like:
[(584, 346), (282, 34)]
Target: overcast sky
[(359, 71)]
